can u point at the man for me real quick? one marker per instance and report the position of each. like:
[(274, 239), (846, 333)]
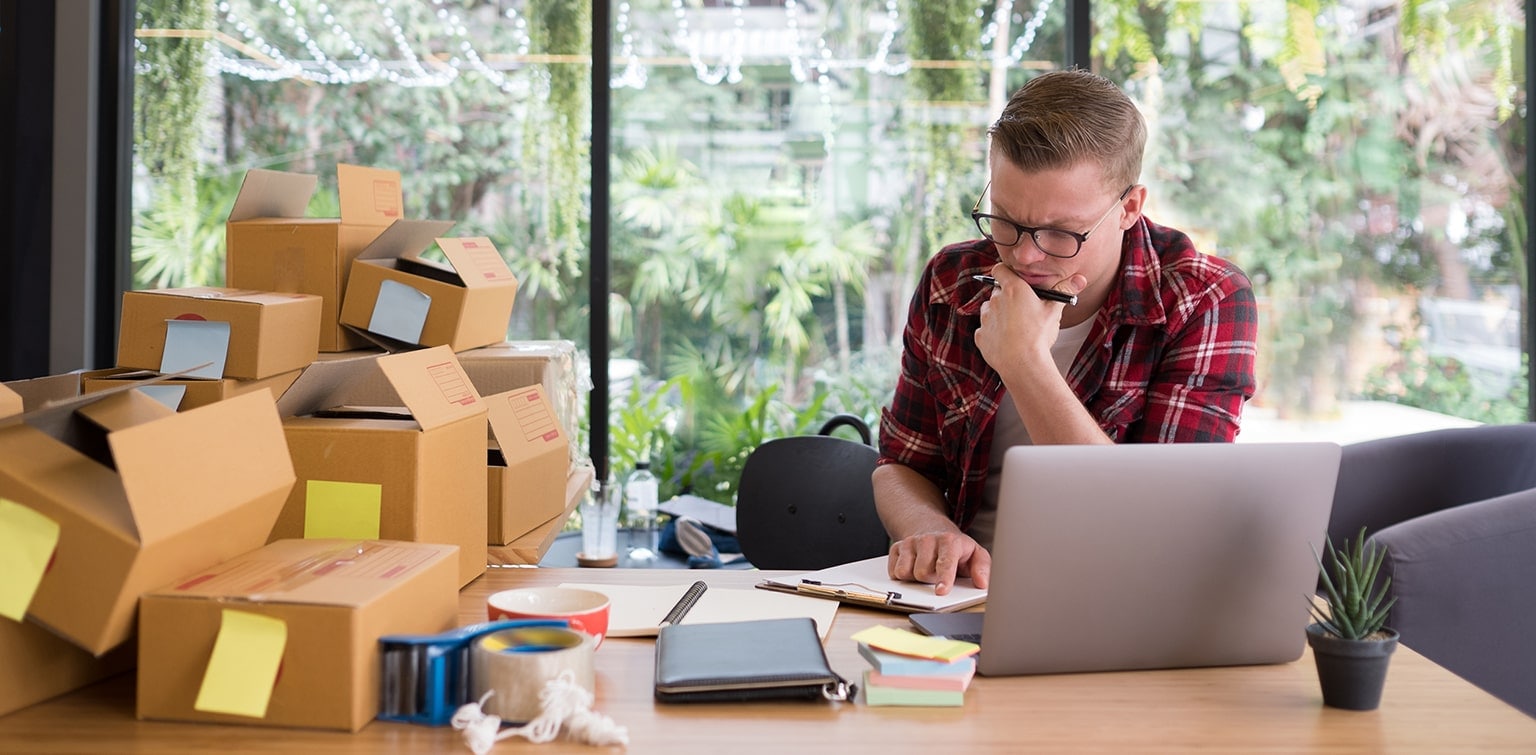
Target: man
[(1159, 346)]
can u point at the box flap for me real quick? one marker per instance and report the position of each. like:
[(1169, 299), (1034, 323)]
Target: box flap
[(10, 402), (54, 417), (192, 467), (273, 194), (476, 261), (324, 384), (524, 424), (433, 385), (369, 196), (404, 237), (128, 410)]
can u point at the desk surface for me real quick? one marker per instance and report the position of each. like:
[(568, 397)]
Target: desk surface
[(1261, 708)]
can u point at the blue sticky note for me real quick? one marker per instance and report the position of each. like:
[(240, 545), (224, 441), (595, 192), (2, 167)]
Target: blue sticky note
[(400, 312), (190, 343)]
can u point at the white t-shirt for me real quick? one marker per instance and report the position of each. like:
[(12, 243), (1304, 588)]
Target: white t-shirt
[(1008, 431)]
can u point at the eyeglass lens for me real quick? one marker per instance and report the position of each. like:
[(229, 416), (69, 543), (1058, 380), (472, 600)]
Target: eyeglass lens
[(1050, 241)]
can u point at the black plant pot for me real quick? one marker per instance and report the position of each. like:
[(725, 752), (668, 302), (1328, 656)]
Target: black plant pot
[(1351, 672)]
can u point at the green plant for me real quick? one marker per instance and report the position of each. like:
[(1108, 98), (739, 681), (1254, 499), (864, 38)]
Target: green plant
[(1355, 602)]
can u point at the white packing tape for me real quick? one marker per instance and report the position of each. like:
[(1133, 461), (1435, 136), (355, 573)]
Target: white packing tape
[(517, 663)]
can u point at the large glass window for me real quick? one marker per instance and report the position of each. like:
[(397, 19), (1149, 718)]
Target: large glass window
[(781, 169)]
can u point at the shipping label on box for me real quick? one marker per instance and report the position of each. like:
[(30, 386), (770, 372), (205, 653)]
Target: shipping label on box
[(402, 301), (288, 635), (391, 447), (225, 332), (139, 494)]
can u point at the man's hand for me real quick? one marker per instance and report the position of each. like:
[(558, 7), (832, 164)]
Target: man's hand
[(936, 558)]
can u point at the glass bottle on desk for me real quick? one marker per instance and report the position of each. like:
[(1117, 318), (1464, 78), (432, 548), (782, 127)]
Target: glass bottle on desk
[(640, 494)]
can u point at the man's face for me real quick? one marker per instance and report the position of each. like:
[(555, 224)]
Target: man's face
[(1069, 199)]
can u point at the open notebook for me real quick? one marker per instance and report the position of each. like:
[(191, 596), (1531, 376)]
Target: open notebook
[(637, 610)]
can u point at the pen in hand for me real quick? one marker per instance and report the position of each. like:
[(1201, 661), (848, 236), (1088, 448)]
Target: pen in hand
[(1044, 293)]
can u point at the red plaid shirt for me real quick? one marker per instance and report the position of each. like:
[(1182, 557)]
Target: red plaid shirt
[(1169, 358)]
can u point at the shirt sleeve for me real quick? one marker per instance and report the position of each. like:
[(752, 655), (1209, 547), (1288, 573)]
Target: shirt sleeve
[(909, 427), (1207, 369)]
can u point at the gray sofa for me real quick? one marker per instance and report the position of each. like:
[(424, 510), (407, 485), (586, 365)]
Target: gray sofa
[(1456, 511)]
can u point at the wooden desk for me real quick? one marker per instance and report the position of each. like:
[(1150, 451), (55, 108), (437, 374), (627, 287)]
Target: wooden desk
[(1262, 708)]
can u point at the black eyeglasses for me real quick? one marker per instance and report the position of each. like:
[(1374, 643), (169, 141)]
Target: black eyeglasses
[(1052, 241)]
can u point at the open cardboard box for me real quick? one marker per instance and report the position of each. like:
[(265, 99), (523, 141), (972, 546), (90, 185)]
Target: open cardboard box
[(140, 494), (332, 599), (272, 246), (530, 547), (390, 447), (243, 334), (182, 394), (39, 664), (554, 364), (527, 464), (402, 301)]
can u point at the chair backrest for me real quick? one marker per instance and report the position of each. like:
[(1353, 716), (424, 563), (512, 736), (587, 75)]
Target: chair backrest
[(1390, 480), (806, 502)]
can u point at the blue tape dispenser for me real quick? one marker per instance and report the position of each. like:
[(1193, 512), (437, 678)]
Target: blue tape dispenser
[(425, 677)]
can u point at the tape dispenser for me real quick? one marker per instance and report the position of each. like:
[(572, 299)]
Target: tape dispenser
[(425, 677)]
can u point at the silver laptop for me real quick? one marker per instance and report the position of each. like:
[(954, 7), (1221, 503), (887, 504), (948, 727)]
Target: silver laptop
[(1146, 556)]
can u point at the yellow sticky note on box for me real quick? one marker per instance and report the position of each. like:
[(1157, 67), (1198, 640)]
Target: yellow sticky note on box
[(346, 510), (243, 666), (27, 540), (902, 642)]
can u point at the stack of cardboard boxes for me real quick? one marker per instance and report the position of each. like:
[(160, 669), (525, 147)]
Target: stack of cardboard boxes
[(252, 430)]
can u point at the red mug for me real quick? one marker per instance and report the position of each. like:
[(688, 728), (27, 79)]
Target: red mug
[(585, 610)]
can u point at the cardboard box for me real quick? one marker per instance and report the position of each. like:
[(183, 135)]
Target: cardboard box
[(272, 246), (528, 464), (403, 301), (10, 402), (510, 365), (390, 447), (182, 394), (141, 494), (245, 334), (529, 548), (40, 665), (40, 391), (334, 599)]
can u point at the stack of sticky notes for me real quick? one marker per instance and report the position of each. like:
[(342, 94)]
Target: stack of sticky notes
[(907, 668)]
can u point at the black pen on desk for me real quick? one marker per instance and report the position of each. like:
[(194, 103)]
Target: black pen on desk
[(1044, 293)]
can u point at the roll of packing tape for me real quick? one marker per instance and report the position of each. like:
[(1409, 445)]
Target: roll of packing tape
[(517, 663)]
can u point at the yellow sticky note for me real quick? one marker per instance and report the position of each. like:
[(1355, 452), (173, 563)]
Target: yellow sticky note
[(27, 540), (902, 642), (243, 667), (348, 510)]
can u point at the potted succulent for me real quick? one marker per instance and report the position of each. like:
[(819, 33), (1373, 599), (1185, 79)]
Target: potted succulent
[(1351, 642)]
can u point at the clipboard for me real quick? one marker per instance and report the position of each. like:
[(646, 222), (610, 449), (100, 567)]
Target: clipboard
[(864, 583)]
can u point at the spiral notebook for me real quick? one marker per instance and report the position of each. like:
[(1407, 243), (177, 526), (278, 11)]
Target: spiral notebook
[(639, 610)]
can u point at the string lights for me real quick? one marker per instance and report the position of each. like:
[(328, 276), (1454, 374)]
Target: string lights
[(335, 55)]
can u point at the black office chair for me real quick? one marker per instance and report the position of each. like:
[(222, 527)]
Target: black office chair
[(807, 503)]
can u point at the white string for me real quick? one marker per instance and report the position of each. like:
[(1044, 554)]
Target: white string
[(563, 703)]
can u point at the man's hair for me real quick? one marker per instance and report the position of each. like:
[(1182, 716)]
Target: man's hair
[(1061, 118)]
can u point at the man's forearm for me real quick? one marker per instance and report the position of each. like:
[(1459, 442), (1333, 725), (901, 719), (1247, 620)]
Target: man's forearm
[(908, 503)]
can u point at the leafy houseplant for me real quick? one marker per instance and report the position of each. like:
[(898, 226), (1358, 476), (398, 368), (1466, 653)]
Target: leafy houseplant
[(1351, 642)]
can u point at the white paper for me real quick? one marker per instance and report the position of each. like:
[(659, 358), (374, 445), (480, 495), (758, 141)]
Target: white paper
[(170, 395), (717, 515), (637, 610)]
